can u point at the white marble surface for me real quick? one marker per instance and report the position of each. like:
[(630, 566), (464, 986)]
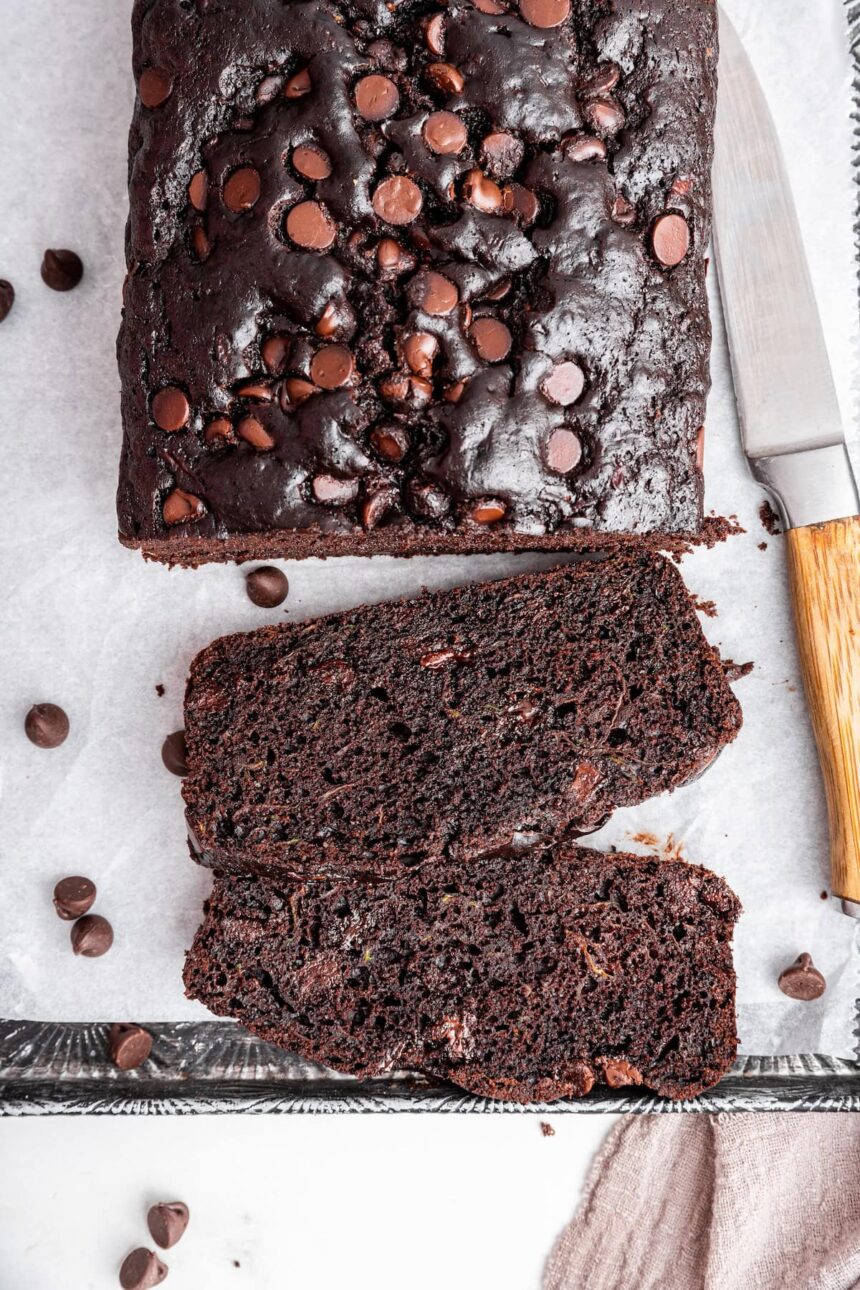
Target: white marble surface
[(397, 1202)]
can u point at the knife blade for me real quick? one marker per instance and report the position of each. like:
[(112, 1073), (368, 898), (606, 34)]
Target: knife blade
[(787, 405), (792, 433)]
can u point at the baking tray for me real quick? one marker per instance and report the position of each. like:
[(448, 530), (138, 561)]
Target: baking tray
[(217, 1067)]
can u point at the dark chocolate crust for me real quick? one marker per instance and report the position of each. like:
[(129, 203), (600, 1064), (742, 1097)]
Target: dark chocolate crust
[(527, 976), (405, 733), (573, 272)]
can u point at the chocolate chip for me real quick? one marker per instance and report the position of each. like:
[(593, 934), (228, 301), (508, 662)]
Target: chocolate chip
[(390, 442), (268, 89), (388, 55), (337, 319), (46, 725), (700, 447), (406, 388), (129, 1046), (299, 85), (297, 389), (604, 79), (255, 433), (489, 6), (62, 270), (242, 189), (74, 897), (333, 491), (544, 13), (454, 393), (501, 153), (311, 162), (563, 384), (489, 511), (546, 1129), (181, 507), (440, 658), (427, 501), (332, 367), (167, 1222), (375, 508), (670, 239), (520, 202), (446, 78), (434, 293), (198, 190), (376, 97), (482, 193), (202, 245), (141, 1270), (274, 351), (563, 451), (398, 200), (174, 753), (335, 671), (623, 212), (171, 409), (91, 936), (444, 133), (267, 587), (391, 257), (7, 298), (309, 226), (419, 350), (585, 148), (154, 87), (604, 115), (802, 980), (434, 34), (259, 391), (491, 339)]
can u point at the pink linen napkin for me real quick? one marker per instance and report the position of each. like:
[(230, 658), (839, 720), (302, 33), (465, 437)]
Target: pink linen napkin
[(722, 1202)]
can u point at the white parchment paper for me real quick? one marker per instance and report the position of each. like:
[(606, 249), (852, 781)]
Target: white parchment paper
[(92, 627)]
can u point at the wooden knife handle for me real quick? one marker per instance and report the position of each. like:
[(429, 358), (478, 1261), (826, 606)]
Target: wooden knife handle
[(824, 569)]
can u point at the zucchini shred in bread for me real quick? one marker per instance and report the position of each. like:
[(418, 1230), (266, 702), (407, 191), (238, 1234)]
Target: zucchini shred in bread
[(407, 277), (411, 732), (526, 976)]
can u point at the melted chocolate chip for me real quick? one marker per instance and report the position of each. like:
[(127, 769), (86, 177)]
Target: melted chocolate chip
[(446, 78), (545, 13), (444, 133), (501, 153), (252, 430), (181, 507), (332, 366), (198, 190), (670, 239), (309, 226), (171, 409), (434, 293), (154, 87), (397, 200), (242, 189), (564, 384), (332, 491), (376, 97), (311, 162), (491, 339)]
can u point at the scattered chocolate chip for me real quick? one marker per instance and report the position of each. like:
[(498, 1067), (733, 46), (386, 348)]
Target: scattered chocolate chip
[(174, 753), (491, 339), (434, 34), (563, 384), (390, 442), (544, 13), (397, 200), (585, 148), (167, 1222), (604, 115), (482, 193), (563, 451), (434, 293), (61, 270), (546, 1129), (490, 511), (501, 153), (332, 367), (7, 298), (91, 936), (129, 1046), (376, 97), (141, 1270), (419, 350), (309, 226), (46, 725), (520, 202), (198, 190), (242, 189), (311, 162), (181, 507), (299, 85), (333, 491), (255, 433), (670, 239), (171, 409), (802, 980), (154, 87), (446, 78), (218, 430), (274, 352), (74, 897), (159, 690), (444, 133), (375, 508), (267, 587)]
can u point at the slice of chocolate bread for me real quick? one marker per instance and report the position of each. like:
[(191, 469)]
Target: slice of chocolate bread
[(366, 742), (526, 976)]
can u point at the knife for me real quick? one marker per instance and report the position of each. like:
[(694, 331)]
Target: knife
[(792, 433)]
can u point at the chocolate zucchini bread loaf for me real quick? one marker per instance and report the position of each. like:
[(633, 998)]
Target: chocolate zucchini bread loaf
[(525, 976), (415, 277), (406, 732)]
